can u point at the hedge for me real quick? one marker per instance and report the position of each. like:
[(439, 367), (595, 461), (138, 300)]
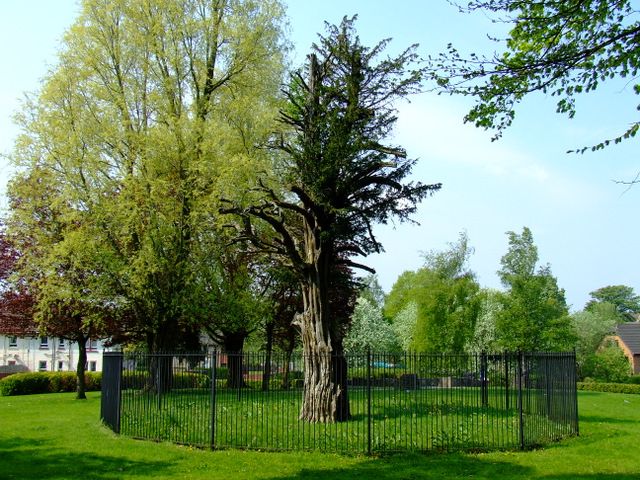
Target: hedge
[(46, 382), (609, 387), (139, 380)]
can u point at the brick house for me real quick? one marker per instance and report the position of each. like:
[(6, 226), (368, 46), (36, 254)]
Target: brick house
[(628, 338)]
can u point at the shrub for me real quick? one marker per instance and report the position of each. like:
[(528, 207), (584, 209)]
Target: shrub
[(634, 379), (62, 382), (609, 387), (93, 381), (607, 365), (24, 384), (138, 380), (46, 382)]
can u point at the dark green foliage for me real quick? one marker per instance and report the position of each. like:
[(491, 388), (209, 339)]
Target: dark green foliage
[(623, 298), (47, 382), (337, 178), (340, 176)]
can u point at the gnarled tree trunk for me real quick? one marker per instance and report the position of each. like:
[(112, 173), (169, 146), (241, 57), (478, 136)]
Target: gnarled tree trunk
[(325, 388)]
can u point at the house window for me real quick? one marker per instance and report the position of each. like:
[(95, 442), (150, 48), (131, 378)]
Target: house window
[(44, 342), (13, 342), (93, 366), (62, 344), (60, 365), (92, 345), (42, 366), (11, 363)]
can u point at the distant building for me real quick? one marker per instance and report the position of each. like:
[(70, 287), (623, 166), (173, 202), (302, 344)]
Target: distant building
[(628, 338), (23, 350)]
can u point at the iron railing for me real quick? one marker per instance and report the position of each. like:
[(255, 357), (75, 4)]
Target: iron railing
[(396, 402)]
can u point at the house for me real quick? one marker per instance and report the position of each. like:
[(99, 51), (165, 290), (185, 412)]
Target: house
[(628, 338), (22, 349)]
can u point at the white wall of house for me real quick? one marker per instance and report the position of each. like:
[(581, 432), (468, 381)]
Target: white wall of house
[(46, 354)]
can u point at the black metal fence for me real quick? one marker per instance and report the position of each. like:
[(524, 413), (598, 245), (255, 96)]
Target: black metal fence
[(396, 401)]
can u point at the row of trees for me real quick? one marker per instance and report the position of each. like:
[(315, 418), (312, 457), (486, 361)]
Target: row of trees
[(170, 185), (442, 308)]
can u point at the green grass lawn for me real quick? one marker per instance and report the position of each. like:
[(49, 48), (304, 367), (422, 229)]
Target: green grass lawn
[(437, 419), (56, 437)]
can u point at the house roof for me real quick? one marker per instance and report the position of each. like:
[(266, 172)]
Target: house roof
[(629, 333), (17, 325)]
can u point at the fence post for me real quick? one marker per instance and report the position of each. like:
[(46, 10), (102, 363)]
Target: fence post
[(520, 406), (110, 402), (574, 372), (506, 359), (214, 360), (484, 381), (368, 401)]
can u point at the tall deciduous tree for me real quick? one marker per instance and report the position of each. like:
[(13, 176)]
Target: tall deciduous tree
[(154, 111), (534, 313), (560, 47), (340, 179), (621, 297), (444, 292), (60, 266)]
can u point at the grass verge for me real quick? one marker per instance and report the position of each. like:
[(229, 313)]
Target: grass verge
[(55, 437)]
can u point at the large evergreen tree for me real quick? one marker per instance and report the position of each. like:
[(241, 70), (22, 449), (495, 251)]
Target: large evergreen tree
[(339, 180), (623, 299)]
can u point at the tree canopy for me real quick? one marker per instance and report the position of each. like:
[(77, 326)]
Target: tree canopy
[(340, 178), (443, 295), (154, 111), (534, 313), (623, 299), (564, 48)]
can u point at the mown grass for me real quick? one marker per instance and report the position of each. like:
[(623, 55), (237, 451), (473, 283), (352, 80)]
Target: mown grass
[(56, 437), (425, 419)]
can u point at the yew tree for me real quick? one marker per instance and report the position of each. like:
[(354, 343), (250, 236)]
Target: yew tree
[(339, 178)]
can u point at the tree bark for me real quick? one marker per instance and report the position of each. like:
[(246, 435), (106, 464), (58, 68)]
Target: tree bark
[(80, 369), (325, 391), (233, 345)]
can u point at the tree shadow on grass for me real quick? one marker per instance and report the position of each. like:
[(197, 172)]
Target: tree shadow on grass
[(602, 419), (594, 476), (441, 467), (418, 466), (22, 458)]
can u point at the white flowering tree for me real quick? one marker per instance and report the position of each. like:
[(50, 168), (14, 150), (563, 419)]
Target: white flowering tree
[(369, 330)]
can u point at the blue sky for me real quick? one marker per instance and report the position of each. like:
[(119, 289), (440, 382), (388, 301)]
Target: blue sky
[(583, 223)]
